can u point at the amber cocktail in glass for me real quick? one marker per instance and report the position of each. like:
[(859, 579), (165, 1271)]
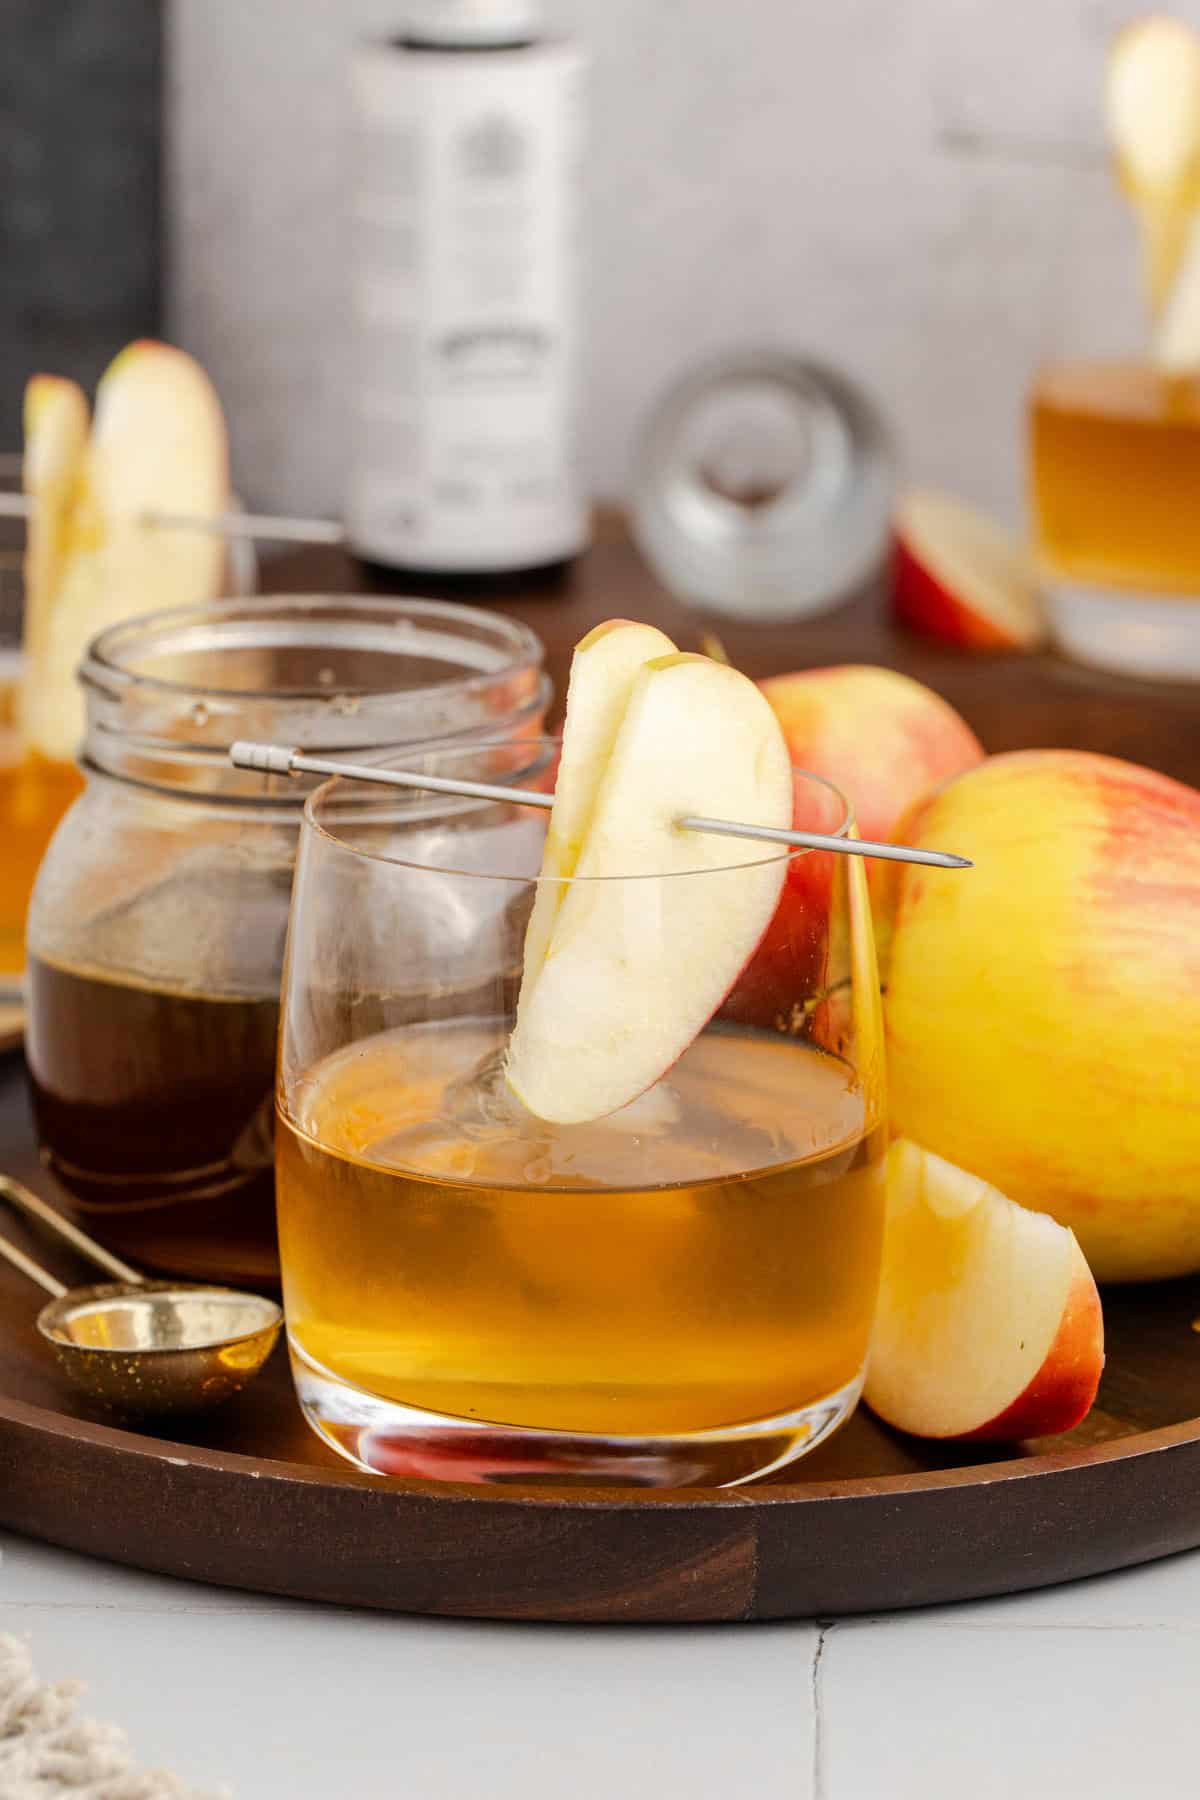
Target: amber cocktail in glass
[(681, 1291)]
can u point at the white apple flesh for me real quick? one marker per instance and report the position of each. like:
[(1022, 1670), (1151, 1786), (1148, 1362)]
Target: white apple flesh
[(961, 577), (603, 670), (635, 968), (989, 1323), (1153, 106), (158, 444), (56, 434)]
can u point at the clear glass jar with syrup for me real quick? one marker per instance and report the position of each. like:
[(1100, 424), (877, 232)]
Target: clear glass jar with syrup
[(157, 925)]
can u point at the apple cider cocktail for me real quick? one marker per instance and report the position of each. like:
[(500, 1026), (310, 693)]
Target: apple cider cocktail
[(566, 1188)]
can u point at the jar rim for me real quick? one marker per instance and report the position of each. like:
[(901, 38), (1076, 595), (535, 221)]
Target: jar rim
[(103, 668)]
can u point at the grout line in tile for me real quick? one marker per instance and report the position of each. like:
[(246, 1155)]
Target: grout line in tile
[(915, 1620), (148, 1607), (824, 1627)]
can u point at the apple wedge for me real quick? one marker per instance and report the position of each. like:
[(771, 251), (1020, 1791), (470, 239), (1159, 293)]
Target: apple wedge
[(634, 969), (959, 576), (56, 435), (963, 578), (158, 444), (603, 669), (989, 1322)]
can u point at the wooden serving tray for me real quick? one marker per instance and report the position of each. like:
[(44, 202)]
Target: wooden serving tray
[(250, 1498)]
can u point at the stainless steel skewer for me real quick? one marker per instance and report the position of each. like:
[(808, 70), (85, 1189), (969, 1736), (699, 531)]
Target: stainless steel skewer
[(277, 759), (269, 527)]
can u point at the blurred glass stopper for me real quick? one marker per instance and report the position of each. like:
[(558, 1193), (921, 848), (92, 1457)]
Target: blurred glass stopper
[(763, 486)]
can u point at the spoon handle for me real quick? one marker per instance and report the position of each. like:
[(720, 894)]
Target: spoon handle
[(27, 1266), (34, 1208)]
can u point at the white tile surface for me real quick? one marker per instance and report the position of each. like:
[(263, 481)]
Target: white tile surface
[(33, 1574), (310, 1703), (1159, 1593), (1084, 1690), (918, 1711)]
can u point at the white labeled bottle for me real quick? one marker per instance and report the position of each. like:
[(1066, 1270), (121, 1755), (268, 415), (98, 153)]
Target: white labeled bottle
[(463, 452)]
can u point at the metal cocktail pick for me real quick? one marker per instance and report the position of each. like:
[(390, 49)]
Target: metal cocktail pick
[(149, 1347), (271, 527), (276, 759)]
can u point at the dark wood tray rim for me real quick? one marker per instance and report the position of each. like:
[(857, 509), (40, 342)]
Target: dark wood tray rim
[(1080, 1458)]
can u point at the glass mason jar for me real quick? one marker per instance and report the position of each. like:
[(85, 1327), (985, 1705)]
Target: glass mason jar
[(156, 929)]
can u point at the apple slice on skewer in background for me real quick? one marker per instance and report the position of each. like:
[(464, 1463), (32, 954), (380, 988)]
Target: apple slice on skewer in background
[(158, 445), (632, 971), (961, 577), (989, 1323), (1177, 337), (56, 435), (1153, 107)]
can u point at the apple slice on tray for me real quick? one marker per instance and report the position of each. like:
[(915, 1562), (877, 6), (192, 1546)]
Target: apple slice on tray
[(989, 1323), (959, 576), (158, 444), (626, 974)]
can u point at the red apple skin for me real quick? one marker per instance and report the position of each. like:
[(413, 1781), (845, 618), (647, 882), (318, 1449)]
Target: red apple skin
[(1061, 1394), (885, 741), (923, 604), (789, 965)]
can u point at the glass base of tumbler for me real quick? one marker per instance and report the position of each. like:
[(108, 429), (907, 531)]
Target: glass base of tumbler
[(385, 1437), (1151, 635)]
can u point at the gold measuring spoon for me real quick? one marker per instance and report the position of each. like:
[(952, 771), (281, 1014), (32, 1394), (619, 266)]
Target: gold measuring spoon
[(150, 1347)]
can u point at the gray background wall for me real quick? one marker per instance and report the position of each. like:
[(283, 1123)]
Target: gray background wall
[(916, 189)]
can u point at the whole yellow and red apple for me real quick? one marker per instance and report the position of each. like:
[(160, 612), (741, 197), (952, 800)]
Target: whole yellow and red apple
[(1043, 1009), (883, 740)]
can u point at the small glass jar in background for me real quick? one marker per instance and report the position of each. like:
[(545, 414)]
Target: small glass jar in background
[(763, 486), (157, 924)]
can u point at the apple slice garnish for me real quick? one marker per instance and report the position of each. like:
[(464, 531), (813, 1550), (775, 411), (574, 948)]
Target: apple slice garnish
[(158, 445), (1153, 106), (633, 970), (603, 669), (961, 577), (989, 1322), (56, 435), (1177, 336)]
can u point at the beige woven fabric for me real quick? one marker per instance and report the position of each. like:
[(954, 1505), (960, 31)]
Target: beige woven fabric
[(46, 1752)]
